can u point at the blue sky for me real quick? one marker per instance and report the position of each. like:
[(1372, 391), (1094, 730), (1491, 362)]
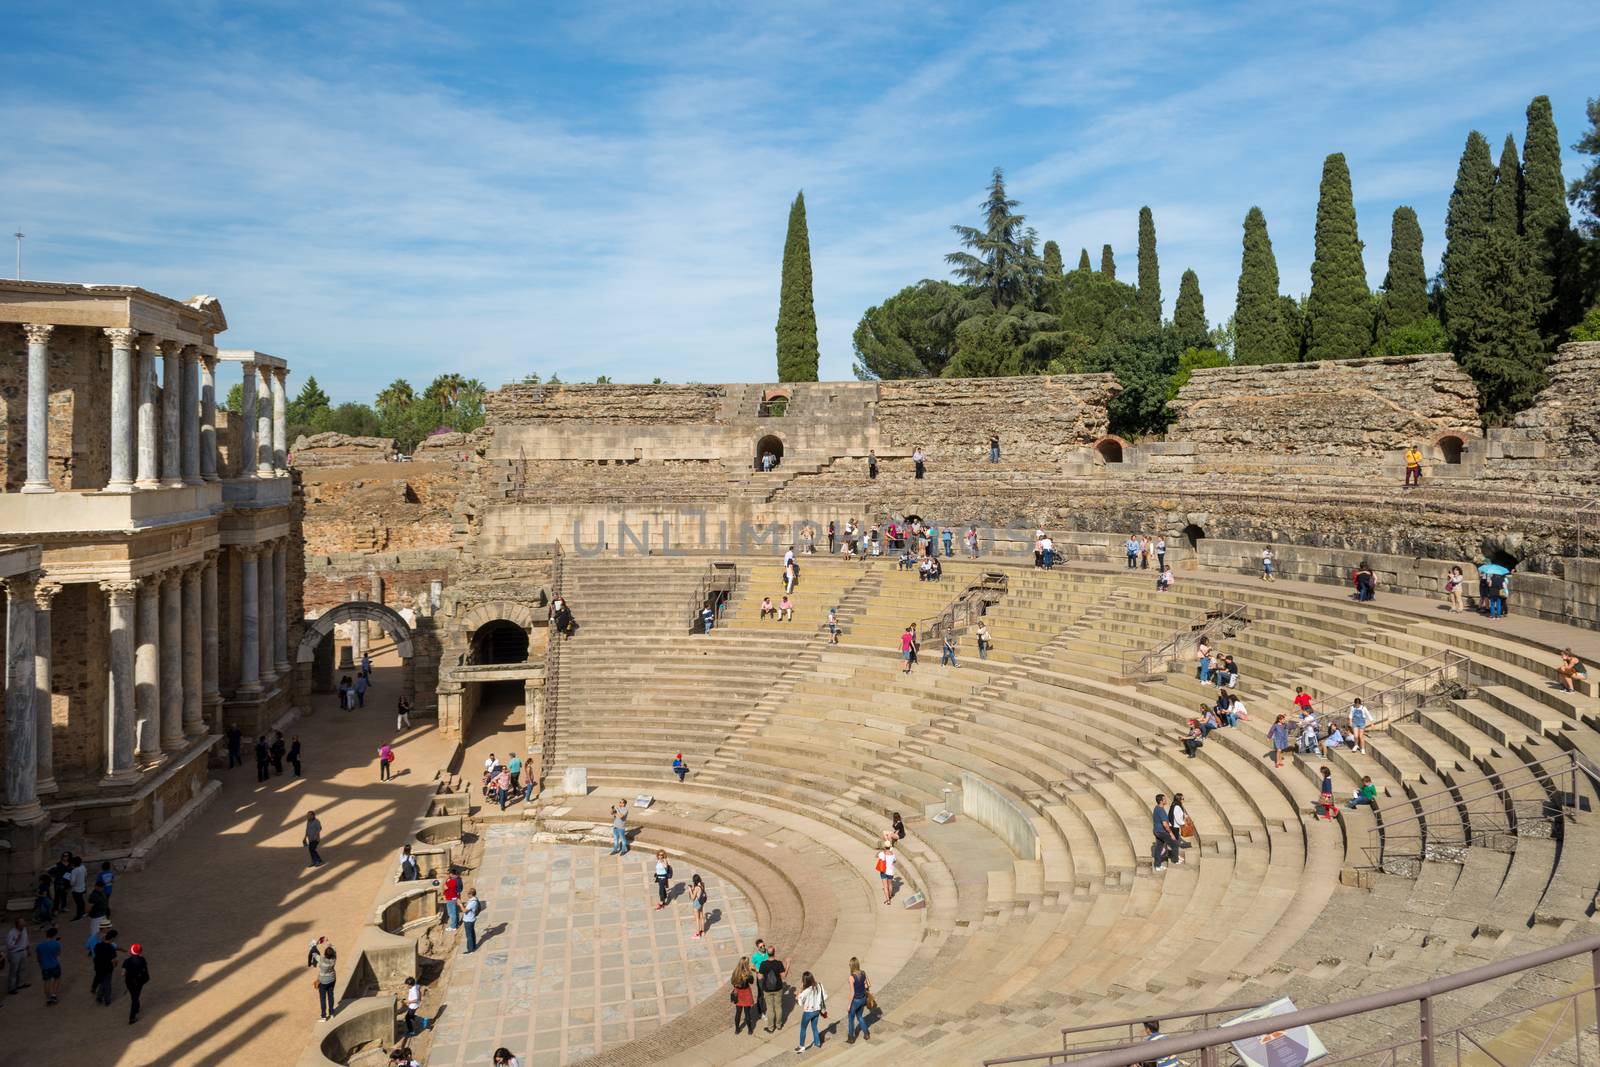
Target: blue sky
[(378, 189)]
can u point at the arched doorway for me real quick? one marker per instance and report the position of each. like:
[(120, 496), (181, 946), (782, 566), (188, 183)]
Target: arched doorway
[(316, 645), (1109, 449), (1449, 448), (770, 445), (1193, 535), (1502, 557), (499, 641)]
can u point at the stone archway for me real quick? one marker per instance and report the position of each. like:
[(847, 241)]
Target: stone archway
[(389, 620), (1110, 449), (772, 444)]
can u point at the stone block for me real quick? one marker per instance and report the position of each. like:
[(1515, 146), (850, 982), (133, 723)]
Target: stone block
[(575, 781)]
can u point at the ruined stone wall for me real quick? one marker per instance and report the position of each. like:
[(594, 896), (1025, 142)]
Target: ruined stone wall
[(1359, 407), (80, 407), (340, 450), (1559, 436), (626, 403), (1038, 418)]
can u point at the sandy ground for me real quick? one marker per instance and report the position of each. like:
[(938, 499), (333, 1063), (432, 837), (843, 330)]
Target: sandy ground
[(226, 911)]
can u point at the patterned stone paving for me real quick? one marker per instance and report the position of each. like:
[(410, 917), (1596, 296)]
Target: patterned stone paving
[(573, 957)]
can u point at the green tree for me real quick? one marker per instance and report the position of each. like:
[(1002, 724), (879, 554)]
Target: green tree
[(1144, 364), (602, 379), (353, 420), (797, 316), (1405, 287), (1465, 267), (1584, 192), (1424, 335), (998, 264), (1189, 313), (1545, 219), (1108, 262), (1260, 332), (1191, 360), (397, 395), (1338, 311), (1083, 259), (1588, 329), (910, 335), (446, 387), (1093, 309), (304, 407), (1052, 261), (1149, 270)]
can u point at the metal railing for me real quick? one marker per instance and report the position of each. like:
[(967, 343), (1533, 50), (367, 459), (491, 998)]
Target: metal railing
[(721, 576), (552, 674), (1188, 1021), (1433, 1045), (1223, 621), (1442, 673), (965, 609)]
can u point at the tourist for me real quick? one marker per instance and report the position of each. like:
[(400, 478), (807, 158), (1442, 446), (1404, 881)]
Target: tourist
[(785, 610), (105, 880), (1367, 794), (767, 608), (1208, 721), (1224, 708), (1152, 1032), (44, 907), (1310, 742), (1334, 738), (697, 898), (708, 619), (1413, 467), (504, 1058), (1302, 700), (294, 755), (759, 955), (366, 666), (385, 761), (105, 964), (48, 955), (77, 882), (1230, 671), (1193, 739), (985, 641), (949, 536), (235, 746), (947, 657), (279, 749), (833, 626), (743, 996), (994, 448), (918, 461), (16, 946), (1131, 546), (1181, 826), (135, 975), (1144, 552), (663, 874), (1047, 552), (1452, 587), (830, 537), (972, 541), (1165, 846), (263, 759), (400, 1056), (361, 690), (872, 464), (860, 998), (1161, 555), (679, 767), (1236, 708), (327, 974), (897, 827), (408, 865), (561, 617), (402, 714), (533, 780), (908, 645), (99, 905), (1202, 655), (96, 932), (1164, 580), (502, 786), (451, 894), (312, 838), (813, 1005), (1366, 582), (1278, 734), (788, 579), (1570, 671), (469, 919), (619, 828), (1360, 719), (1499, 589), (414, 1016), (1266, 563), (514, 769), (885, 869), (773, 973)]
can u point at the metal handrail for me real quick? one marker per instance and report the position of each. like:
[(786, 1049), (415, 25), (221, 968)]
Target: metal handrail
[(1228, 615), (1449, 660), (1422, 994), (552, 674), (1132, 1026), (988, 588), (720, 576)]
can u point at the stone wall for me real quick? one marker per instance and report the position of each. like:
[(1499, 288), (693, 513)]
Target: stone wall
[(624, 403), (340, 450), (1038, 418), (1559, 436), (80, 407), (1357, 407)]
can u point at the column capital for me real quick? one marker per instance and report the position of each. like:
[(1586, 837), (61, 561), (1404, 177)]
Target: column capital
[(44, 593), (208, 360), (122, 337), (171, 348), (211, 556), (121, 589), (280, 373), (21, 586), (149, 344), (190, 353), (38, 334), (248, 551)]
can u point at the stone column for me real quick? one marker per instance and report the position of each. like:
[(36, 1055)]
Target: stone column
[(147, 681), (43, 671), (264, 602), (171, 662), (193, 721), (122, 342), (22, 722), (149, 418), (264, 422), (208, 418), (119, 691), (247, 434), (189, 420), (280, 420), (38, 410), (171, 414), (249, 622), (280, 608), (210, 647)]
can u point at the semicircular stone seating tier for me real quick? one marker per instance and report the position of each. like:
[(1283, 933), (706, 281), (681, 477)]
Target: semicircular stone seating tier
[(391, 622)]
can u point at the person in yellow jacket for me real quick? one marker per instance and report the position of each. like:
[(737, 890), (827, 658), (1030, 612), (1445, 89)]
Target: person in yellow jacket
[(1413, 466)]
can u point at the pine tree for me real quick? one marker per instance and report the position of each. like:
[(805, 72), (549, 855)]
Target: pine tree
[(1149, 271), (1546, 222), (1189, 313), (1338, 311), (1405, 287), (1108, 262), (1260, 334), (1052, 261), (1083, 259), (797, 316)]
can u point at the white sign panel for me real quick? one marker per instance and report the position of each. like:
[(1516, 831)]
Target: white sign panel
[(1278, 1048)]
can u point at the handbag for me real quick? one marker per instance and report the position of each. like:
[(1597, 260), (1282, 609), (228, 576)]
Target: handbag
[(1188, 828), (872, 1001)]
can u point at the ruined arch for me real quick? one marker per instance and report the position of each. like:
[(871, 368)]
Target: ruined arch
[(499, 641), (1193, 535), (1110, 448), (1449, 448), (389, 620), (769, 443)]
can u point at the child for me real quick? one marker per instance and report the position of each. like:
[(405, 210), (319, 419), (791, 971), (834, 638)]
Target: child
[(679, 767), (1367, 794), (1325, 803), (1164, 580), (833, 626)]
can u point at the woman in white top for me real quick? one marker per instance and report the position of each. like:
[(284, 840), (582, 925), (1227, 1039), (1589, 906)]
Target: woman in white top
[(1178, 816), (813, 1004), (886, 871)]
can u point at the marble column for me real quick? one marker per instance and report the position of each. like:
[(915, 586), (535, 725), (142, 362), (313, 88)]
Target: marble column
[(280, 420), (122, 342), (264, 422), (147, 681), (43, 672), (249, 621), (280, 609), (246, 462), (38, 410), (22, 723), (189, 419), (119, 691), (193, 721), (171, 662), (171, 414), (208, 418), (264, 602), (149, 417), (210, 647)]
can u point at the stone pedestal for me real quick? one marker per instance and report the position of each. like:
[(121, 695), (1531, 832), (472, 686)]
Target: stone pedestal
[(575, 781)]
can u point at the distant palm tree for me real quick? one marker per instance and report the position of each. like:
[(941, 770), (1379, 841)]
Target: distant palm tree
[(397, 395), (445, 389)]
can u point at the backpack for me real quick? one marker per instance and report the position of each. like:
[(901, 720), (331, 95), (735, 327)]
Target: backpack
[(772, 980)]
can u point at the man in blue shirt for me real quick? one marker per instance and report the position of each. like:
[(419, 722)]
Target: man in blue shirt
[(1131, 546), (48, 953), (1165, 845)]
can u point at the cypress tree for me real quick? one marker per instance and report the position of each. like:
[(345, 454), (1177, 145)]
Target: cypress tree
[(1052, 260), (1339, 318), (1465, 270), (1108, 262), (1405, 287), (1260, 335), (1149, 272), (797, 317), (1505, 202), (1546, 222), (1189, 313), (1083, 259)]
